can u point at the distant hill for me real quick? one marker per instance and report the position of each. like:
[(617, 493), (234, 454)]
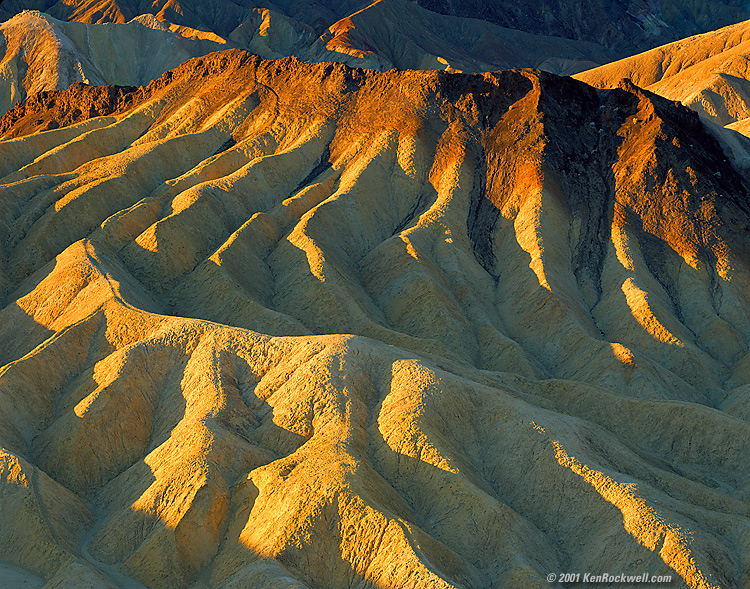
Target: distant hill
[(624, 26), (41, 52), (709, 73), (274, 324)]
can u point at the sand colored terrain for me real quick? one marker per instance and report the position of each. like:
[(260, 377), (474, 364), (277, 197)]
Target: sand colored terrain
[(285, 325), (709, 73), (42, 53), (39, 53)]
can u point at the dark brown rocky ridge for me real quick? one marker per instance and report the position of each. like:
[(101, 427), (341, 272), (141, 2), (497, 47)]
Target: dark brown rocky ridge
[(55, 109), (552, 285)]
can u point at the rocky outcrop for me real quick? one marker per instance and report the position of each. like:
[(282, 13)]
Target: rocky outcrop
[(42, 53), (52, 110), (296, 325), (709, 73), (39, 53)]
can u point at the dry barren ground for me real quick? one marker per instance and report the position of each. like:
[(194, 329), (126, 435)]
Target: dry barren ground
[(285, 325)]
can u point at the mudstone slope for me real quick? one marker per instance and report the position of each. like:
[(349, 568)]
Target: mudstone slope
[(286, 325)]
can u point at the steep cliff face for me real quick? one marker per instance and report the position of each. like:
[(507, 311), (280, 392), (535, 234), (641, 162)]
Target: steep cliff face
[(275, 324)]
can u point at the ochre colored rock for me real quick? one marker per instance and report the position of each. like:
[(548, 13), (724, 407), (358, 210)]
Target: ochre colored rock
[(284, 325)]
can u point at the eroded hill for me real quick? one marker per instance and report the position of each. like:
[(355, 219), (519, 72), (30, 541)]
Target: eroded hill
[(286, 325), (628, 26), (709, 73), (624, 26), (39, 53)]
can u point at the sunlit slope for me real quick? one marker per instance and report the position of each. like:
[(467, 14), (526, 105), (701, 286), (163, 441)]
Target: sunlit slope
[(290, 325), (39, 52), (43, 53), (709, 73), (401, 34)]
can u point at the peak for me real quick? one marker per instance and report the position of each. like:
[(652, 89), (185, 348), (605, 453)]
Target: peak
[(150, 21), (281, 322), (30, 17)]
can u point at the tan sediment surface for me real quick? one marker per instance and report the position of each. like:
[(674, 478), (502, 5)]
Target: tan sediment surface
[(290, 325), (18, 577), (708, 72), (40, 53)]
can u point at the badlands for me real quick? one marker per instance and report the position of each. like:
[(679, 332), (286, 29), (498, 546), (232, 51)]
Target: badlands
[(624, 26), (708, 72), (38, 52), (286, 325)]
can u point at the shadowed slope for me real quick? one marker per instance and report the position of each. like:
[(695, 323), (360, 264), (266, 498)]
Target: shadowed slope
[(292, 325), (41, 53), (709, 73), (623, 25), (400, 34)]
